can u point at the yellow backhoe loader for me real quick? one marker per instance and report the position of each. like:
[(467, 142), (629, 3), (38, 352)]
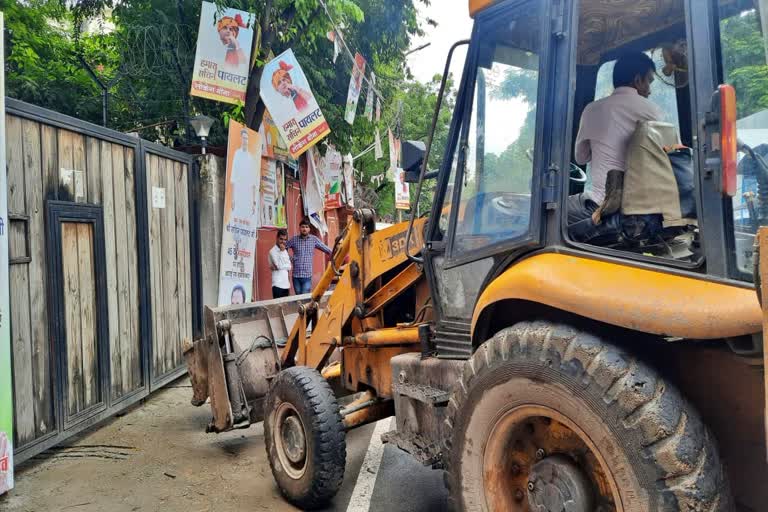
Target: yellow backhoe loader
[(544, 365)]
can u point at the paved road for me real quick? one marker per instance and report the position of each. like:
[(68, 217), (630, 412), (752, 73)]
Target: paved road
[(158, 458)]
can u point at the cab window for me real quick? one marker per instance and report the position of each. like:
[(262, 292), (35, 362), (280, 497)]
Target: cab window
[(497, 161), (632, 186), (743, 49)]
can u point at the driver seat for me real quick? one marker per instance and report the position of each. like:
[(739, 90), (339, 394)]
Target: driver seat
[(657, 200)]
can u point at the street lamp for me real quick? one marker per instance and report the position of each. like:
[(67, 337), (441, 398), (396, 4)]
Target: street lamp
[(202, 125)]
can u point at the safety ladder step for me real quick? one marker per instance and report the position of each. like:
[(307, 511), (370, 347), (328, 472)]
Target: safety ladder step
[(423, 451), (423, 393)]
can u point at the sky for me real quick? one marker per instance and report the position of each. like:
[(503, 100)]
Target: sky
[(503, 118), (454, 24)]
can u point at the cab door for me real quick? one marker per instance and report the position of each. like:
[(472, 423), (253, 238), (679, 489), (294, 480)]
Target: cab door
[(488, 203)]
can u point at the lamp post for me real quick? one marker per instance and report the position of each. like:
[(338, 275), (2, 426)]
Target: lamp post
[(202, 125)]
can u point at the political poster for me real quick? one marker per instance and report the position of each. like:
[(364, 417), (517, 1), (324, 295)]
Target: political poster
[(402, 192), (272, 194), (286, 93), (378, 154), (332, 177), (355, 85), (223, 54), (369, 98), (272, 143), (6, 383), (241, 215), (394, 156), (348, 178), (312, 190)]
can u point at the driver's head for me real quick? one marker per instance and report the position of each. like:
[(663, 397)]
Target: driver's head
[(634, 70)]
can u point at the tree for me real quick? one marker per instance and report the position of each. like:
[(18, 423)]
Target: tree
[(744, 61)]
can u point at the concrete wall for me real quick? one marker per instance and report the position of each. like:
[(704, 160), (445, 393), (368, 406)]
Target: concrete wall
[(213, 173)]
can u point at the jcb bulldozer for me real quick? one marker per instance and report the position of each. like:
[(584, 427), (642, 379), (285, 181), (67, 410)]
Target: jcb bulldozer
[(541, 366)]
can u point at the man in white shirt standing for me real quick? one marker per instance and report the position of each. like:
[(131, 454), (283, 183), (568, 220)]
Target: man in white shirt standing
[(280, 263), (607, 126)]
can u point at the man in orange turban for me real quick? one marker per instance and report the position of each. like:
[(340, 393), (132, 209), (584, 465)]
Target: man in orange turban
[(282, 83), (229, 28)]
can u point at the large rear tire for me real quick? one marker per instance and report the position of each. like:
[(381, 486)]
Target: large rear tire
[(548, 418), (305, 437)]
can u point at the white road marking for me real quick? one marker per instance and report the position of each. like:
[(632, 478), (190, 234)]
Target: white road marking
[(366, 479)]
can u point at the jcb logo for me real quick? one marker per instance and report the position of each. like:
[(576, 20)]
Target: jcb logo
[(394, 246)]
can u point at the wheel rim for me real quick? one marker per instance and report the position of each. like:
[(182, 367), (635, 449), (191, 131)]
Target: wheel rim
[(536, 458), (290, 440)]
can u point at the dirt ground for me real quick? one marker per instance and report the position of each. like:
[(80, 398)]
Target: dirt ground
[(157, 456)]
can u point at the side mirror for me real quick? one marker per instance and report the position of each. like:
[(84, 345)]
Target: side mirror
[(413, 152)]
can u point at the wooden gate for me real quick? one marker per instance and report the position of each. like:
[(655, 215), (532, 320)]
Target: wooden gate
[(103, 290)]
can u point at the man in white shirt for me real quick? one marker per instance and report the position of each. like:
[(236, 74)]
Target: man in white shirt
[(280, 263), (607, 126), (243, 179)]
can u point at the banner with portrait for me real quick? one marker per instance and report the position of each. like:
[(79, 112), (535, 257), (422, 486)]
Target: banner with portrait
[(355, 86), (241, 215), (272, 143), (223, 54), (294, 109), (312, 190), (394, 156), (272, 194), (402, 191), (332, 174)]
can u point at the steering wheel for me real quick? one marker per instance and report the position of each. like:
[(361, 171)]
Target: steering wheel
[(577, 174)]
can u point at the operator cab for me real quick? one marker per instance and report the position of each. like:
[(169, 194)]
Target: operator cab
[(689, 202)]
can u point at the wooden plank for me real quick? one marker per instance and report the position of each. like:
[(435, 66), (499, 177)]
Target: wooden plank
[(170, 289), (79, 162), (134, 342), (182, 270), (88, 337), (187, 256), (121, 245), (71, 277), (50, 145), (41, 362), (23, 386), (107, 199), (65, 161), (93, 169), (156, 274)]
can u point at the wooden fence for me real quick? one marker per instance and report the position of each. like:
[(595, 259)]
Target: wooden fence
[(102, 279)]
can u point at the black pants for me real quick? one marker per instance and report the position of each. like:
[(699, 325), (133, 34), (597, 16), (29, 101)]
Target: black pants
[(280, 292), (580, 208)]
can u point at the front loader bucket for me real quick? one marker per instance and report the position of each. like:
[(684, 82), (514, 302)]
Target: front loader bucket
[(237, 357)]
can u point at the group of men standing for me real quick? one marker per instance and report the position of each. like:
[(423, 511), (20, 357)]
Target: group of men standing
[(282, 263)]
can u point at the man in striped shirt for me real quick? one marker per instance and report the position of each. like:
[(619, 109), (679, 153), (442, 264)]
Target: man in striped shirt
[(303, 246)]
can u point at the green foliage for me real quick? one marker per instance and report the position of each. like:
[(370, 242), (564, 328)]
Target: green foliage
[(744, 61)]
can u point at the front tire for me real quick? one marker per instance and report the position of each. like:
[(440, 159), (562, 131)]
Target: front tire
[(546, 415), (305, 437)]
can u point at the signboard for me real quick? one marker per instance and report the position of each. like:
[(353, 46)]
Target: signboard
[(332, 175), (6, 383), (241, 215), (223, 54), (355, 85), (286, 93), (272, 194)]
